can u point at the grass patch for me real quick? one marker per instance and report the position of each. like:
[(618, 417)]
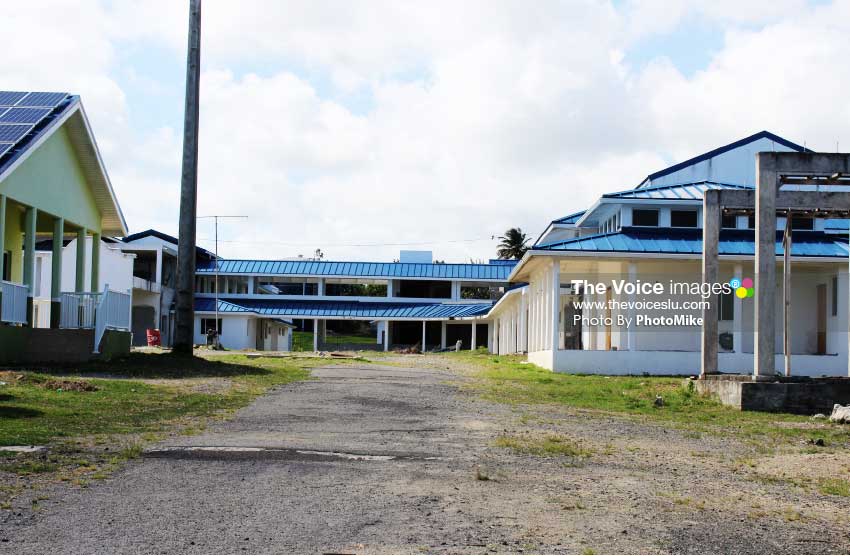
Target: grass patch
[(303, 341), (545, 446), (33, 414), (834, 486), (507, 379)]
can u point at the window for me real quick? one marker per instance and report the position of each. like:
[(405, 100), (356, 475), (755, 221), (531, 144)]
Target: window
[(751, 222), (802, 223), (835, 296), (210, 324), (727, 306), (645, 217), (729, 221), (683, 218), (7, 266)]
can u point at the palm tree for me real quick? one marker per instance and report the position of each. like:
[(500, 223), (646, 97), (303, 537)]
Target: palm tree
[(512, 245)]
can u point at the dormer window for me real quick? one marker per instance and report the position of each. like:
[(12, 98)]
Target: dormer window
[(645, 217), (683, 218)]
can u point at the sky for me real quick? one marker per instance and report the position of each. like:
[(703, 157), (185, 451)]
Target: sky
[(363, 128)]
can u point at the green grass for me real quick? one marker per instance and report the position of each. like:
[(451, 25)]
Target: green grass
[(834, 486), (30, 413), (547, 445), (507, 379), (303, 341)]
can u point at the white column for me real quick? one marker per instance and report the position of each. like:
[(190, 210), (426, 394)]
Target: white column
[(158, 269), (443, 334), (591, 333), (386, 335), (630, 331), (523, 323), (251, 281), (423, 336), (315, 334), (555, 292), (473, 344), (320, 289), (455, 290), (737, 316), (390, 287)]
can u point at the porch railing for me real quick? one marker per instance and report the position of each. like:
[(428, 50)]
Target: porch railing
[(13, 305), (113, 313), (78, 310)]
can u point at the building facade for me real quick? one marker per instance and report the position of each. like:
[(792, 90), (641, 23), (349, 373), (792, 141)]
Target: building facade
[(574, 314)]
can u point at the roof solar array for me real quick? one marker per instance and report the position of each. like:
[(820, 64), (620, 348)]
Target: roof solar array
[(21, 112)]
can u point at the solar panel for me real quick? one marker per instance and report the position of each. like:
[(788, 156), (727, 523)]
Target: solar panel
[(5, 147), (50, 100), (24, 115), (8, 98), (13, 132)]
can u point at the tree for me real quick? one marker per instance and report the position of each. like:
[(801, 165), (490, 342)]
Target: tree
[(513, 244)]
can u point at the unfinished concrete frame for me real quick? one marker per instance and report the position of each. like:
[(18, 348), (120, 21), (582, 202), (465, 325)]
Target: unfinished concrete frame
[(773, 170)]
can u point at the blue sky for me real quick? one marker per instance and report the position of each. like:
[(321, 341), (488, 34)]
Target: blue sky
[(355, 127)]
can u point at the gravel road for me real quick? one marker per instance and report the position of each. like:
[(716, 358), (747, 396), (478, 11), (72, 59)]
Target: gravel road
[(378, 459)]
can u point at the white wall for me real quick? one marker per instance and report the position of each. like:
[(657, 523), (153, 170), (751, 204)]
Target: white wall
[(116, 269)]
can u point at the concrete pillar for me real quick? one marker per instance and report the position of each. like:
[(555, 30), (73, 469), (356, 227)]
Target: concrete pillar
[(95, 262), (455, 290), (315, 334), (443, 335), (424, 328), (29, 259), (390, 288), (710, 262), (523, 322), (80, 269), (320, 289), (555, 292), (738, 316), (252, 280), (786, 294), (56, 272), (158, 269), (386, 335), (765, 271), (474, 342), (630, 331)]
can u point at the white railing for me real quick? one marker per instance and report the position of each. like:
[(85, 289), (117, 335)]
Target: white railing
[(113, 313), (13, 305), (78, 309)]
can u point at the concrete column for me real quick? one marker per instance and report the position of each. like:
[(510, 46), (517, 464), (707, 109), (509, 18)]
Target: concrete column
[(29, 258), (765, 270), (320, 289), (786, 294), (523, 323), (80, 269), (315, 334), (474, 342), (555, 292), (390, 287), (423, 336), (158, 269), (738, 316), (455, 290), (630, 331), (95, 262), (710, 262), (251, 283), (443, 334), (56, 272), (386, 335)]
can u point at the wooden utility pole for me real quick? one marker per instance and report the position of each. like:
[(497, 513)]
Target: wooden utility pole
[(185, 313)]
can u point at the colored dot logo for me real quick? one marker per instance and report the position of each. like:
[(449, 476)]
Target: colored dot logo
[(743, 288)]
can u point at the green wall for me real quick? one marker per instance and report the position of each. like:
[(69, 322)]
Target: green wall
[(52, 181)]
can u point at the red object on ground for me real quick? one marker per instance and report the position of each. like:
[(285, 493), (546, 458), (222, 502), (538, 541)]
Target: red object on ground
[(154, 337)]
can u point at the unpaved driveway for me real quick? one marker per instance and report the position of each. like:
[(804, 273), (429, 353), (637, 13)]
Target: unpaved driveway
[(389, 459)]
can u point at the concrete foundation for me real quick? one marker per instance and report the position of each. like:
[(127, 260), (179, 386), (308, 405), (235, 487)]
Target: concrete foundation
[(801, 395), (22, 345)]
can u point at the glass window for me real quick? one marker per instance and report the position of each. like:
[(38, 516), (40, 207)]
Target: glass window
[(645, 217), (729, 221), (751, 222), (210, 324), (683, 218), (802, 223), (727, 306)]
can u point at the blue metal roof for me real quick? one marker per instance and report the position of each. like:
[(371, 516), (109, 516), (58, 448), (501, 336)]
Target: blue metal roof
[(677, 241), (720, 150), (686, 191), (837, 225), (326, 309), (38, 110), (570, 218), (496, 272)]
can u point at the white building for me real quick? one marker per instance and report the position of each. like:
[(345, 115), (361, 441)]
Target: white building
[(115, 272), (572, 315)]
